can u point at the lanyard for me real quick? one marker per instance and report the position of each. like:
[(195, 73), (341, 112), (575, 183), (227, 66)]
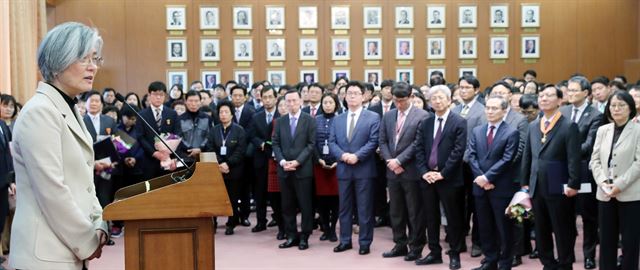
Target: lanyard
[(224, 138)]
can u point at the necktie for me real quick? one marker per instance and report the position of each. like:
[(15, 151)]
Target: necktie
[(158, 118), (269, 118), (399, 126), (386, 108), (465, 111), (292, 125), (352, 125), (96, 123), (313, 112), (238, 114), (546, 124), (433, 157), (490, 136), (575, 116)]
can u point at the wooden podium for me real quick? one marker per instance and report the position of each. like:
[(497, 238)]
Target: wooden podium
[(169, 225)]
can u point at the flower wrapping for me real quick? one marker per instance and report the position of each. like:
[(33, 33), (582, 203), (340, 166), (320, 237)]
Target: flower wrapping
[(520, 207), (173, 141), (121, 146)]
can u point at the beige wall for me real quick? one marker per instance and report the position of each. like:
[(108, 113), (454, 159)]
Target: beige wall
[(593, 37), (5, 66)]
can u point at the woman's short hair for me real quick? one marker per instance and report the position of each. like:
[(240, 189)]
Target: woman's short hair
[(625, 97), (335, 99), (9, 99), (64, 45)]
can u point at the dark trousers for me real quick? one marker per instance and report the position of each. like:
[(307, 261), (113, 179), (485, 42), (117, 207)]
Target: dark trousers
[(555, 216), (522, 237), (452, 201), (104, 190), (405, 202), (233, 190), (496, 230), (4, 206), (296, 193), (588, 205), (381, 202), (328, 210), (619, 218), (276, 205), (358, 192), (470, 217), (246, 187), (260, 193)]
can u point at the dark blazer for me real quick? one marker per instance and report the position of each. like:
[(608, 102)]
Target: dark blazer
[(363, 144), (450, 150), (235, 143), (107, 126), (245, 116), (168, 125), (6, 161), (260, 132), (404, 150), (299, 148), (377, 108), (307, 110), (588, 124), (323, 132), (519, 122), (136, 150), (554, 163), (495, 163)]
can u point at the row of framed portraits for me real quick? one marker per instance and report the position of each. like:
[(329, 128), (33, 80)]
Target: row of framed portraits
[(341, 49), (340, 16), (278, 77)]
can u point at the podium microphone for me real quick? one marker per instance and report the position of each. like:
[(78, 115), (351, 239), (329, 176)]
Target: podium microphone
[(176, 179)]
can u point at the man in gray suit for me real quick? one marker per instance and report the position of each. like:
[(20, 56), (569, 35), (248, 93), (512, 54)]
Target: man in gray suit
[(397, 133), (293, 142)]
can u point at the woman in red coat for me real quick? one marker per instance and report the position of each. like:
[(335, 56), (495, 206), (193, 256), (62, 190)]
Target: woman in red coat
[(273, 186)]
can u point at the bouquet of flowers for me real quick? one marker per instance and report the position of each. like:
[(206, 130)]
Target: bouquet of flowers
[(173, 141), (121, 146), (520, 207)]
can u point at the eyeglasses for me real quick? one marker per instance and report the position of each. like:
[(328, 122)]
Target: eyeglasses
[(87, 60), (354, 93)]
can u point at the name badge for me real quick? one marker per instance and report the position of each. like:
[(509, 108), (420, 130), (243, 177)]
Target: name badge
[(325, 150), (223, 151)]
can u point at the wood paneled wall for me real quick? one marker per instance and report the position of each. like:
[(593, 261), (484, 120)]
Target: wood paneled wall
[(593, 37)]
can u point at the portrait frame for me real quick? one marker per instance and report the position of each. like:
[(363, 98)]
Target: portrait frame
[(207, 74), (309, 72), (335, 53), (526, 54), (467, 22), (244, 77), (494, 51), (433, 53), (275, 23), (204, 22), (273, 56), (308, 17), (177, 76), (431, 19), (401, 54), (401, 71), (340, 17), (240, 23), (378, 74), (206, 56), (179, 23), (463, 71), (524, 16), (372, 17), (174, 56), (462, 53), (277, 73), (403, 23), (442, 69), (238, 53), (341, 73), (378, 53), (303, 55), (494, 20)]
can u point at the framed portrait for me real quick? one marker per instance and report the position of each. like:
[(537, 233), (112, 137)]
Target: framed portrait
[(372, 17), (340, 49), (308, 17), (467, 71), (404, 17), (177, 50), (209, 17), (467, 48), (243, 49), (177, 76), (373, 76), (499, 16), (404, 75), (434, 70), (308, 49), (436, 47), (209, 49), (244, 77), (275, 49), (309, 76), (467, 16), (277, 78), (499, 46), (530, 46), (404, 48), (530, 15), (242, 17), (176, 17), (340, 73), (436, 16), (373, 48), (340, 17), (210, 78), (274, 17)]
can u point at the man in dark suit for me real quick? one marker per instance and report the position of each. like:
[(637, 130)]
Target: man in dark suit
[(550, 160), (163, 120), (397, 134), (353, 142), (588, 120), (293, 143), (315, 95), (440, 146), (492, 149), (242, 116)]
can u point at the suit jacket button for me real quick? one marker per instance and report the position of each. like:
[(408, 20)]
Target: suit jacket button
[(89, 189)]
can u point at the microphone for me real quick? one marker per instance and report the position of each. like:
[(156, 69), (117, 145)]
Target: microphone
[(176, 179)]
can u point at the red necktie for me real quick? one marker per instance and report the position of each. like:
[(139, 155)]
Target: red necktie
[(490, 137)]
